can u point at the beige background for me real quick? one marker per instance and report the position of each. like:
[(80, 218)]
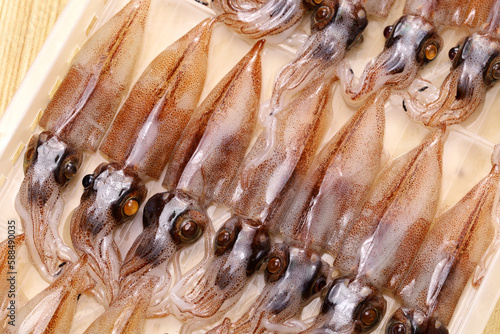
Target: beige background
[(24, 25)]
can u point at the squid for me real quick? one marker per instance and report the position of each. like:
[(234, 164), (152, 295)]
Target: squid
[(123, 316), (293, 277), (240, 248), (455, 249), (381, 244), (475, 69), (256, 19), (412, 42), (177, 218), (320, 214), (159, 105), (75, 120), (9, 302), (52, 310), (276, 161), (335, 27)]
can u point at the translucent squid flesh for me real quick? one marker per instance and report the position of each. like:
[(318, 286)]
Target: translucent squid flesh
[(344, 169), (222, 126), (160, 102), (240, 247), (336, 26), (273, 19), (482, 13), (475, 68), (128, 312), (284, 149), (76, 120), (8, 250), (177, 218), (453, 250), (49, 166), (293, 278), (350, 306), (406, 179), (277, 158), (410, 43), (52, 310), (392, 224), (378, 7)]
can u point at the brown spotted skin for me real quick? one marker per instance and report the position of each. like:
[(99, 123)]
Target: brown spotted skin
[(299, 278), (127, 313), (345, 168), (344, 305), (98, 78), (217, 137), (393, 225), (161, 104), (257, 19), (397, 66), (478, 13), (396, 216), (237, 256), (464, 89), (8, 249), (452, 251), (101, 209), (440, 12), (52, 310), (162, 237), (378, 7), (281, 152), (40, 202), (76, 120), (332, 35)]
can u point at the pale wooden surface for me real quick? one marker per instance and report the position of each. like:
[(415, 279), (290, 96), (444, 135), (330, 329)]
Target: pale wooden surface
[(24, 25)]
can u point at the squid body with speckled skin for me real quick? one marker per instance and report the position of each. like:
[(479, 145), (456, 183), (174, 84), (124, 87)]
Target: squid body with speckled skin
[(154, 115), (456, 248), (75, 120), (381, 244), (223, 127)]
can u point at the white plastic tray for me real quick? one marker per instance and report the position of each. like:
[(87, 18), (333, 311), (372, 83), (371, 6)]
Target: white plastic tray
[(466, 156)]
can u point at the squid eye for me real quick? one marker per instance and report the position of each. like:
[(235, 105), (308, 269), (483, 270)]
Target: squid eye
[(274, 265), (318, 285), (388, 31), (453, 52), (187, 226), (322, 16), (397, 328), (495, 71), (370, 312), (223, 238), (492, 74), (67, 167), (88, 180), (29, 156), (189, 229), (431, 51), (70, 169), (323, 13), (130, 207), (369, 316)]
